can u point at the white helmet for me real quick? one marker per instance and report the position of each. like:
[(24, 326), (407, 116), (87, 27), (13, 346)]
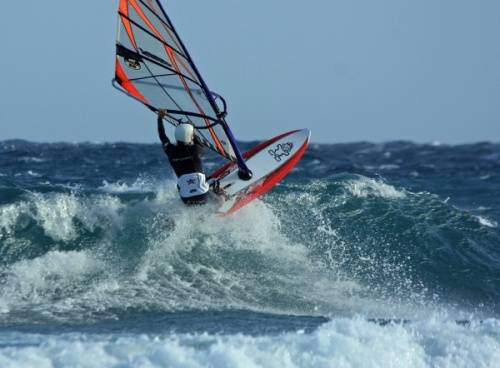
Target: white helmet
[(184, 133)]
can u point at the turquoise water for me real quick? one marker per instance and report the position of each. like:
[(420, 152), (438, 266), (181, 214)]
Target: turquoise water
[(364, 255)]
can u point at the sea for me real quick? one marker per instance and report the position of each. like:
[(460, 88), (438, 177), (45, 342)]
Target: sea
[(364, 255)]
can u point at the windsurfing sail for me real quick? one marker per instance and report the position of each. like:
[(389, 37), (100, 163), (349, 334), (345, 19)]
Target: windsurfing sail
[(154, 67)]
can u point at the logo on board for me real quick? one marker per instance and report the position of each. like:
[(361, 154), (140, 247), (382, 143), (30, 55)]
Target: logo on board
[(282, 149)]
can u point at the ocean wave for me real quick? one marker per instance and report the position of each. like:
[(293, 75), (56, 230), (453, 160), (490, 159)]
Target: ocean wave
[(355, 342), (325, 241)]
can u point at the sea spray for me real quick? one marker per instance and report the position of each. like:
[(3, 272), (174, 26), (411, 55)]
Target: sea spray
[(381, 254)]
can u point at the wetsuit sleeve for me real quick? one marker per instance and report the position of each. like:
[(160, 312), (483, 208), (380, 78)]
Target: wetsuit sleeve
[(161, 133)]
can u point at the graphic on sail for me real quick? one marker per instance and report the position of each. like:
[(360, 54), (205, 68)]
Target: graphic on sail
[(154, 67)]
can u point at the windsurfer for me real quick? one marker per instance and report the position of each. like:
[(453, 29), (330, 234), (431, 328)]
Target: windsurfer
[(186, 158)]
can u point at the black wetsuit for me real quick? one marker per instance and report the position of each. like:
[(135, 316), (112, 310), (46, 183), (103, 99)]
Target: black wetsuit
[(185, 159)]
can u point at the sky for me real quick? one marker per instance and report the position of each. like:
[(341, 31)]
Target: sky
[(349, 70)]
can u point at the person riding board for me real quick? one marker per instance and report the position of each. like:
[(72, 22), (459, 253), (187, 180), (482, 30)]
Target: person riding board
[(185, 157)]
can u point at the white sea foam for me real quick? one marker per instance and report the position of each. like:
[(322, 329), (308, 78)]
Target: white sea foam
[(140, 185), (9, 215), (486, 222), (28, 159), (190, 258), (56, 213), (340, 343), (364, 187), (52, 276), (389, 167)]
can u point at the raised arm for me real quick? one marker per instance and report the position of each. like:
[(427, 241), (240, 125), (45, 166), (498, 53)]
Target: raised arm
[(161, 129)]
